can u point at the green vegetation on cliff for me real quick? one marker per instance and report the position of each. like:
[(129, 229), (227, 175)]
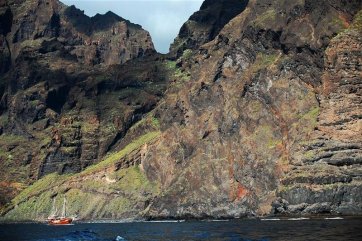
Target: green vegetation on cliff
[(148, 121), (176, 72), (265, 19), (263, 61), (46, 183), (114, 157), (357, 22), (97, 192)]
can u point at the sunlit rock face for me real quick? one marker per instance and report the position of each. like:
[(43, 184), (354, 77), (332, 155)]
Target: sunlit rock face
[(255, 111), (269, 120)]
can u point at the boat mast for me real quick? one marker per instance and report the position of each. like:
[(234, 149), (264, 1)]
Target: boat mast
[(54, 210), (64, 208)]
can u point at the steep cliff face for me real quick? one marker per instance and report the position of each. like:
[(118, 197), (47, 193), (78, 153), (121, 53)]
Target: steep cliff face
[(327, 177), (261, 115), (65, 99), (271, 114)]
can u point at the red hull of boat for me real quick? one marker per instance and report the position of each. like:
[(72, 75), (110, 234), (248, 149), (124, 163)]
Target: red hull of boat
[(62, 221)]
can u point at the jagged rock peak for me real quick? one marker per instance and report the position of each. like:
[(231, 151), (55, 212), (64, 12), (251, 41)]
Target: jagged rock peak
[(205, 24), (103, 39)]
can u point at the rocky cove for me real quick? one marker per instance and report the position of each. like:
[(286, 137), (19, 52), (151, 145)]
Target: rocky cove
[(256, 111)]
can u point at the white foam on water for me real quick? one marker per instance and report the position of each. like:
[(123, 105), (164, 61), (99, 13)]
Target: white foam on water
[(110, 221), (215, 220), (165, 221), (54, 225), (119, 238), (296, 219), (270, 219), (334, 218)]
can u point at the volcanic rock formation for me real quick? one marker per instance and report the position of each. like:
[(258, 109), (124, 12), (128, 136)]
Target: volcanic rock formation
[(270, 120), (255, 111), (65, 99)]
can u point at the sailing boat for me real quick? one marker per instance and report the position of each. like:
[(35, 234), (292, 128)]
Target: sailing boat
[(53, 219)]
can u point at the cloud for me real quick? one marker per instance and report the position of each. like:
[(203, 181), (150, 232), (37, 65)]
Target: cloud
[(162, 18)]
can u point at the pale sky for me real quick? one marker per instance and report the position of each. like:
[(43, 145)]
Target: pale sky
[(162, 18)]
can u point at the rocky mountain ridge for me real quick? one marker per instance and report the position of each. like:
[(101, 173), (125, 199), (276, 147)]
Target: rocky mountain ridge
[(67, 94), (256, 111)]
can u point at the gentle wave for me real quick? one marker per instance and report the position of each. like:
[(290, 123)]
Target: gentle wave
[(297, 219), (110, 221), (219, 220), (165, 221), (119, 238), (334, 218), (69, 224), (270, 219), (81, 236)]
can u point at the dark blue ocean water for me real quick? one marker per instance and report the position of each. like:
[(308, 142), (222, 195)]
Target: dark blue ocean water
[(235, 230)]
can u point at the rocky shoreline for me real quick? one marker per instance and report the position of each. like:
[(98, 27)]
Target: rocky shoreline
[(206, 219)]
